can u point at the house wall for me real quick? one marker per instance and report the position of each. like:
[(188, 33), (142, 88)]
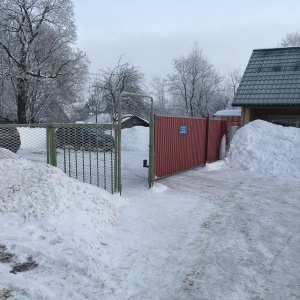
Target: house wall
[(267, 113), (246, 116)]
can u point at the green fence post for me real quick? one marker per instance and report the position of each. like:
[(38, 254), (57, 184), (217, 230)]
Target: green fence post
[(48, 144), (116, 159), (51, 146), (54, 157), (151, 147), (119, 142)]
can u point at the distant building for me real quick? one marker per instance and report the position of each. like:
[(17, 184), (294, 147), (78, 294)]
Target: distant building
[(128, 121), (133, 120)]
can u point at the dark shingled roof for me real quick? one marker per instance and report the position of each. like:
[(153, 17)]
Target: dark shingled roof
[(272, 77)]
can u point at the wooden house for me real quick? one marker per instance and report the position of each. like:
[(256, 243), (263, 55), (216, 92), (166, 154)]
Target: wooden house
[(270, 87)]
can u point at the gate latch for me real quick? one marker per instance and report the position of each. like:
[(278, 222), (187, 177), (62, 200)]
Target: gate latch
[(145, 163)]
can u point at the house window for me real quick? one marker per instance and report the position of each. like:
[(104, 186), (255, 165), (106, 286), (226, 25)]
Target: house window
[(286, 122)]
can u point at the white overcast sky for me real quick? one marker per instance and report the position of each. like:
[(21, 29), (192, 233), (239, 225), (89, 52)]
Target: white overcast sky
[(151, 33)]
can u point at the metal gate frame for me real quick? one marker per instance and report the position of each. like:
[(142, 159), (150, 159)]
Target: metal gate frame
[(151, 139)]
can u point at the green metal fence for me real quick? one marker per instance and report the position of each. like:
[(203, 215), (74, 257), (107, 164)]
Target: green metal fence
[(87, 152)]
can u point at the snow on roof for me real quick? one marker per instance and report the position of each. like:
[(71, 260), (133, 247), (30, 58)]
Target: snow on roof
[(128, 116), (228, 113)]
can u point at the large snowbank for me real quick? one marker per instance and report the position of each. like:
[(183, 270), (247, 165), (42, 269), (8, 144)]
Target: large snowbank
[(266, 148), (35, 190), (54, 225)]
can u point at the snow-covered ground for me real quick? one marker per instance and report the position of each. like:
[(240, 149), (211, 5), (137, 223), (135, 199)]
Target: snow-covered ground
[(229, 230)]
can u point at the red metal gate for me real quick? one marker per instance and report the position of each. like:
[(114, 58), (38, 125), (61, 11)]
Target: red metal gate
[(182, 143)]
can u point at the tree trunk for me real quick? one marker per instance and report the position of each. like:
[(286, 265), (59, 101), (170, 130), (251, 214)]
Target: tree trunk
[(21, 101)]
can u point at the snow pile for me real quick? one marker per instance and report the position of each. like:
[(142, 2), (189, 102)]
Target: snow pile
[(266, 148), (52, 228), (5, 153), (35, 190), (135, 138)]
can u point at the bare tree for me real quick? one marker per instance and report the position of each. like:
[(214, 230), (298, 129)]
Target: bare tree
[(195, 85), (233, 79), (291, 40), (95, 104), (113, 81), (36, 38), (231, 83), (159, 90)]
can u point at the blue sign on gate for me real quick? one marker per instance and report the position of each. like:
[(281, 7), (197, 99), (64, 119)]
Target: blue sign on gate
[(183, 129)]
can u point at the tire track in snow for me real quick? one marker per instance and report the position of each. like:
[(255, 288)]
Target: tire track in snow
[(234, 254)]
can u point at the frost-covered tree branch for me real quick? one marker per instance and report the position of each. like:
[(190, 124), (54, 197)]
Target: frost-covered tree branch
[(113, 81), (291, 40), (37, 38), (195, 85)]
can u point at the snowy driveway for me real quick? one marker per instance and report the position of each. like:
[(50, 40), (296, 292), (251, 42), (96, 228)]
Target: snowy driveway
[(223, 234), (211, 233)]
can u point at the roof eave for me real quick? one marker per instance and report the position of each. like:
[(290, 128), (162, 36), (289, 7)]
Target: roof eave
[(265, 104)]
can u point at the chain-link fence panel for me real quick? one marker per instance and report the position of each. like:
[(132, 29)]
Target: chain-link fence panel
[(86, 152), (27, 141), (10, 138)]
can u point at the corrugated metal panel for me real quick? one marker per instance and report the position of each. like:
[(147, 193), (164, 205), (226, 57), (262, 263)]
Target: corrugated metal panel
[(175, 152)]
